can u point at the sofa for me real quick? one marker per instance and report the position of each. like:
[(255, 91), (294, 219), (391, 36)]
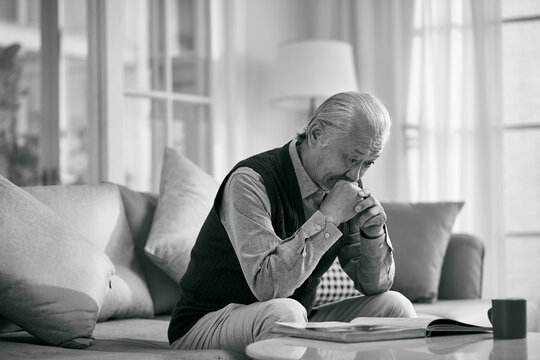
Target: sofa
[(91, 271)]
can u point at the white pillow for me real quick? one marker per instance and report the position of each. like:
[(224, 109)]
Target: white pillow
[(52, 280), (185, 199)]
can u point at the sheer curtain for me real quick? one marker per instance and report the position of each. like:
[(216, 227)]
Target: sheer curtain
[(381, 32), (436, 64)]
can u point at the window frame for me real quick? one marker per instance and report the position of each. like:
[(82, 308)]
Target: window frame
[(506, 127), (108, 93)]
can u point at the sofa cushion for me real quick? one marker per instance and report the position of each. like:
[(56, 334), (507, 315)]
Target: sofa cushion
[(420, 233), (140, 208), (462, 271), (185, 199), (123, 339), (97, 212), (53, 281)]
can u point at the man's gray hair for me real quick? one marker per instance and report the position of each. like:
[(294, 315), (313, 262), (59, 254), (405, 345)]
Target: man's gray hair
[(337, 115)]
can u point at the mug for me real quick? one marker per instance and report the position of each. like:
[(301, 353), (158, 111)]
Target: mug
[(509, 318)]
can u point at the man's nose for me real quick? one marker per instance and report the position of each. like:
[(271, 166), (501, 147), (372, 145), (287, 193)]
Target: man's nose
[(354, 173)]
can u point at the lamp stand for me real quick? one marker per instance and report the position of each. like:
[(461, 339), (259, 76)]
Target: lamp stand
[(312, 105)]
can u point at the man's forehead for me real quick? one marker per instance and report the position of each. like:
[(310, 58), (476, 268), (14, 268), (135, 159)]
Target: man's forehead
[(368, 152), (365, 147), (364, 139)]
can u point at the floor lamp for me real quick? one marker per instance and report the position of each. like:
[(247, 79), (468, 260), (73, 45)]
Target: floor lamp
[(310, 71)]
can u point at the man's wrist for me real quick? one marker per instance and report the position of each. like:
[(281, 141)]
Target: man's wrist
[(332, 221), (329, 219)]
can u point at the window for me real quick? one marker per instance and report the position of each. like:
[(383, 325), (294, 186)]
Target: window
[(166, 75), (43, 129), (74, 140), (20, 109), (521, 141), (124, 79)]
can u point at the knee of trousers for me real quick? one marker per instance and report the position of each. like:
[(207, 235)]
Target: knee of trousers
[(288, 310), (396, 304)]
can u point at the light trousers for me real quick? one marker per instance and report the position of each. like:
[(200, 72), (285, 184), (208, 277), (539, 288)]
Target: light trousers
[(236, 326)]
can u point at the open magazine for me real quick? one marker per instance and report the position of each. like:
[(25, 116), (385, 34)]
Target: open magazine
[(374, 329)]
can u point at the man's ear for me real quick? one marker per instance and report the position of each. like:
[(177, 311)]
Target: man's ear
[(315, 134)]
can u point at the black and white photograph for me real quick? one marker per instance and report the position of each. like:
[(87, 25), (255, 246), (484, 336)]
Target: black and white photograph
[(270, 179)]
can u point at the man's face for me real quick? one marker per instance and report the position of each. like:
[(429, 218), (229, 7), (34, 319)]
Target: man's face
[(346, 158)]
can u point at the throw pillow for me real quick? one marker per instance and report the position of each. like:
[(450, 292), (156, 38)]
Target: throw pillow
[(185, 199), (52, 280), (97, 212), (335, 285), (420, 233), (140, 209)]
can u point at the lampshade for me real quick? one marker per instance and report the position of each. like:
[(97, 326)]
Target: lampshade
[(312, 70)]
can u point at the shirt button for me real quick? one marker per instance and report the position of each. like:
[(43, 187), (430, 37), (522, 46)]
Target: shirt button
[(327, 235), (318, 227)]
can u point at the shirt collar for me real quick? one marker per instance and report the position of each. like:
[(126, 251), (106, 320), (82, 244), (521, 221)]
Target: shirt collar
[(307, 186)]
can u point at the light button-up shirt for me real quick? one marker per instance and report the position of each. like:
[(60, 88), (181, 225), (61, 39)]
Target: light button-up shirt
[(275, 267)]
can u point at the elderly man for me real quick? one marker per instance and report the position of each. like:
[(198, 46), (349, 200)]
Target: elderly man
[(279, 220)]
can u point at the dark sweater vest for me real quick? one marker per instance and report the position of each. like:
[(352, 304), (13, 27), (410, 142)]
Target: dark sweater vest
[(214, 277)]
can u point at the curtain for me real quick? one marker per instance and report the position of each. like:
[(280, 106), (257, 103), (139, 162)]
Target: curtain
[(381, 32), (436, 65)]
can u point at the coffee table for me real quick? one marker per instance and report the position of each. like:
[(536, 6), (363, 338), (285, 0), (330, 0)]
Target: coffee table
[(463, 347)]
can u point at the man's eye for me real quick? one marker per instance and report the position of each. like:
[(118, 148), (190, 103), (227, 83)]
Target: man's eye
[(353, 161), (369, 163)]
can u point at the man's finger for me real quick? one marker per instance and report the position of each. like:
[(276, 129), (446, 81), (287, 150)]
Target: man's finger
[(364, 193), (364, 204), (375, 220), (370, 215)]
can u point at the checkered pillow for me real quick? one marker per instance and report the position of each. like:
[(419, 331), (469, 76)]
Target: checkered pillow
[(335, 285)]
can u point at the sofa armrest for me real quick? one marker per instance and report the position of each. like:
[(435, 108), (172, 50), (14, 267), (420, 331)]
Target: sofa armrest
[(461, 275)]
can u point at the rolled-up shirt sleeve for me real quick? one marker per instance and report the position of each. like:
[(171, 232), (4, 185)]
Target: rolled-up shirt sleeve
[(273, 267), (369, 262)]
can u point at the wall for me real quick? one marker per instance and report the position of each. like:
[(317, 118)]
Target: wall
[(266, 24)]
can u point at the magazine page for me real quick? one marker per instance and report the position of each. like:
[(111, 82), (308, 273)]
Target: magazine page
[(447, 326), (376, 328), (398, 322), (321, 324), (434, 326), (346, 332)]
